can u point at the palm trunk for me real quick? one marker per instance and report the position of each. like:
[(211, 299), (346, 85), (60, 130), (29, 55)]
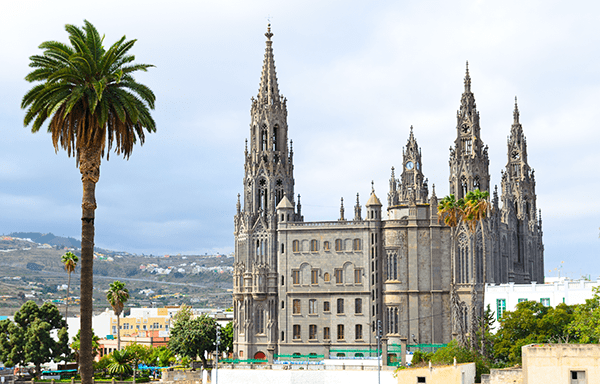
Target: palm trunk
[(118, 333), (89, 166), (67, 302)]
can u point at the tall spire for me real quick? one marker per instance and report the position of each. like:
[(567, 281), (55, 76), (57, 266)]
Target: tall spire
[(467, 79), (268, 92), (516, 113)]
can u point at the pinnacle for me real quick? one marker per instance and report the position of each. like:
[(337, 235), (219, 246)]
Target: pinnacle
[(516, 112), (268, 91), (467, 79)]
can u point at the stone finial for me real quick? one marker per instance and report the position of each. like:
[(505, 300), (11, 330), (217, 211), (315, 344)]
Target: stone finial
[(269, 34), (516, 112), (238, 206), (467, 79), (357, 209), (342, 210)]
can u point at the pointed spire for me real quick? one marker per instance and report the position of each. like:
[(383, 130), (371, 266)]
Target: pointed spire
[(372, 186), (342, 210), (299, 207), (516, 113), (268, 92), (467, 79), (238, 206), (357, 213), (246, 148)]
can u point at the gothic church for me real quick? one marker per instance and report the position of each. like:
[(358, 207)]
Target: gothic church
[(315, 287)]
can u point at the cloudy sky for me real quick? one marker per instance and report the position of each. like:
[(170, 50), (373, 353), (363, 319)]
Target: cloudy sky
[(356, 74)]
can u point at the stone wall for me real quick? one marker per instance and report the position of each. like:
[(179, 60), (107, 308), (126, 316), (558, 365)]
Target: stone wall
[(503, 376), (457, 374)]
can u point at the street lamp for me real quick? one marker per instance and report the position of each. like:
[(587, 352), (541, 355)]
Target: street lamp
[(217, 356)]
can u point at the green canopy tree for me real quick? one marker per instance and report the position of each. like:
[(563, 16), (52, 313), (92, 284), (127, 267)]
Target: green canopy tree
[(70, 261), (117, 296), (28, 339), (191, 337), (227, 338), (586, 320), (92, 102)]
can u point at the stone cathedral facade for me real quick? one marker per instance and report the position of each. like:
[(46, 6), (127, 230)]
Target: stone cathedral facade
[(305, 287)]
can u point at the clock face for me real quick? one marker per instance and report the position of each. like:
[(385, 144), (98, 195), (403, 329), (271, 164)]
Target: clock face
[(409, 165), (466, 128), (515, 155)]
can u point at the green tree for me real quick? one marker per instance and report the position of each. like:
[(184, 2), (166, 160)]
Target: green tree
[(28, 339), (161, 356), (586, 320), (530, 323), (70, 261), (227, 338), (120, 363), (190, 337), (76, 344), (93, 103), (139, 353), (117, 296)]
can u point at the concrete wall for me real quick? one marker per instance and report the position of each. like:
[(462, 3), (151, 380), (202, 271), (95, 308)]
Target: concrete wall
[(459, 374), (503, 376), (314, 375), (180, 376), (553, 363)]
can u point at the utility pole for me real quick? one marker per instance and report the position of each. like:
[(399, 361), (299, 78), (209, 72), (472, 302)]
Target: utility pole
[(217, 355), (379, 335)]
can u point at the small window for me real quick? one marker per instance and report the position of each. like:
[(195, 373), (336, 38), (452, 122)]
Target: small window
[(339, 245), (357, 276), (521, 300), (282, 248), (314, 276), (312, 306), (358, 331), (326, 306), (296, 332), (296, 246), (326, 277), (421, 379), (295, 277), (314, 246), (339, 276), (312, 332), (578, 377), (356, 245), (340, 306), (326, 334), (340, 332), (358, 306), (296, 310), (500, 308), (326, 245), (545, 301), (282, 304)]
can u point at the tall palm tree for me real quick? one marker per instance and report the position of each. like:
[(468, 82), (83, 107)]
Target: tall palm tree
[(70, 261), (117, 296), (92, 102), (477, 207), (452, 212)]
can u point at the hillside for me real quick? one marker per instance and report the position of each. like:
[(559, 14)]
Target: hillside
[(33, 271)]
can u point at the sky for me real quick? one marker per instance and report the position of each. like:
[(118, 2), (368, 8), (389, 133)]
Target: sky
[(356, 75)]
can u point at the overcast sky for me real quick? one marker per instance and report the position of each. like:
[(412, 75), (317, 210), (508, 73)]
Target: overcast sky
[(356, 75)]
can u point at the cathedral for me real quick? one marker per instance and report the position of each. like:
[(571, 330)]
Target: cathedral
[(319, 288)]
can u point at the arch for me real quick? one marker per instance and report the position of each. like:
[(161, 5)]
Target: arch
[(326, 277), (296, 246), (339, 245), (260, 355), (340, 354), (359, 354)]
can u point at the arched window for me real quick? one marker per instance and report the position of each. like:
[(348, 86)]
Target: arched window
[(358, 306), (339, 245), (296, 307), (314, 246), (326, 245), (296, 246), (326, 277), (275, 138), (340, 333), (260, 321), (356, 245), (263, 137), (358, 333)]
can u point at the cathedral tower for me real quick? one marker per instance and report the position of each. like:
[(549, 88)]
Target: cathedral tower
[(522, 248), (267, 181), (469, 162)]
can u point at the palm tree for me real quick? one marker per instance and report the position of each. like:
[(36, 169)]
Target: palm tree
[(92, 102), (120, 363), (452, 212), (70, 261), (477, 207), (117, 296)]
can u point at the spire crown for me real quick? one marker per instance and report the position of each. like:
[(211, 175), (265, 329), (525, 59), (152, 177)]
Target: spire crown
[(268, 92), (467, 79), (516, 112)]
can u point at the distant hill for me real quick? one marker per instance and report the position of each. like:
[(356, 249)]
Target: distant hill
[(48, 238)]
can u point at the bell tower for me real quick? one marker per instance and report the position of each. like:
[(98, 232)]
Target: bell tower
[(469, 162), (268, 179), (519, 210)]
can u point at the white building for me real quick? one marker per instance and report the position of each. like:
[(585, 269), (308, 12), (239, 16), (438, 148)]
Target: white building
[(505, 297)]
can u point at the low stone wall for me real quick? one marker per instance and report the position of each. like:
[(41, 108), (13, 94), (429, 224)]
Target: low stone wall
[(447, 374), (503, 376), (181, 376)]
